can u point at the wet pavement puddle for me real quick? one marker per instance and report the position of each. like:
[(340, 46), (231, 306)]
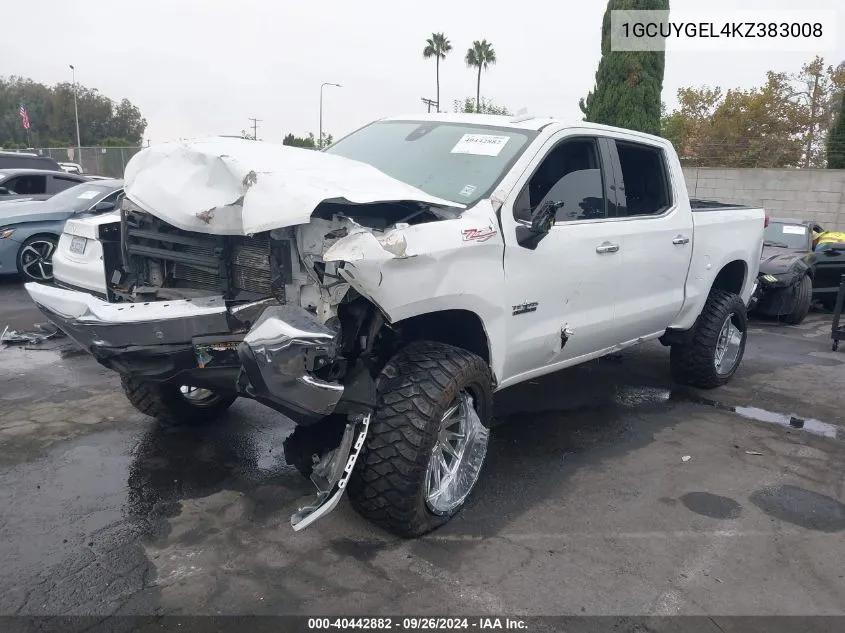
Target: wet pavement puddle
[(789, 421)]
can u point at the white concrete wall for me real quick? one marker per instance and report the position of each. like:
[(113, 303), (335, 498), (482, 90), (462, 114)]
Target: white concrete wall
[(807, 194)]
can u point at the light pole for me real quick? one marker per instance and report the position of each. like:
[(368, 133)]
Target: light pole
[(76, 114), (323, 85)]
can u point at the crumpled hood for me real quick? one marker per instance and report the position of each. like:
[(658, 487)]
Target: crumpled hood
[(29, 211), (775, 261), (229, 186)]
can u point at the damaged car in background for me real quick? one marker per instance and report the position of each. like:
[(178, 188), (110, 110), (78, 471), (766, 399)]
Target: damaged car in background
[(799, 264), (380, 291)]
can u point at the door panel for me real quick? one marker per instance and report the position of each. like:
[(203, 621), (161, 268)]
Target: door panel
[(656, 233), (561, 290)]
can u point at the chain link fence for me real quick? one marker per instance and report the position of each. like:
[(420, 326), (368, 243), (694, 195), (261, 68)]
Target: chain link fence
[(99, 161)]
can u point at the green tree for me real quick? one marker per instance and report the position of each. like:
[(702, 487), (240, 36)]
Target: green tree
[(308, 142), (52, 118), (759, 127), (628, 83), (817, 89), (480, 55), (437, 46), (487, 106), (836, 139)]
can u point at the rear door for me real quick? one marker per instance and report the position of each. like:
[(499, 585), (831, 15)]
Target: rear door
[(561, 289), (656, 232)]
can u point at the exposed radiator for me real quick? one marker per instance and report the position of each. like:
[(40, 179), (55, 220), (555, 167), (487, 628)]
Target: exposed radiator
[(197, 260)]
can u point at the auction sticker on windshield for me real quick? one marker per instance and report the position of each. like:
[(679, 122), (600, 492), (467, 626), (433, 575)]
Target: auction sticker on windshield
[(794, 230), (480, 144), (87, 195)]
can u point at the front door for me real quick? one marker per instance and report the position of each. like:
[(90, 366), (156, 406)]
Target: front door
[(560, 287)]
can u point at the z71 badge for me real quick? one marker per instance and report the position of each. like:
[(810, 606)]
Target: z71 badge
[(523, 308), (478, 235)]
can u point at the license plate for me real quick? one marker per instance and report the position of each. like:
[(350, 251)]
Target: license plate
[(77, 245)]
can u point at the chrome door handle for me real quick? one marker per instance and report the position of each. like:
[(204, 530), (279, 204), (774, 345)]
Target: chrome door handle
[(680, 239), (607, 247)]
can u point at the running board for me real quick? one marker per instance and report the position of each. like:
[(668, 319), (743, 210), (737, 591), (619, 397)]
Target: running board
[(330, 476)]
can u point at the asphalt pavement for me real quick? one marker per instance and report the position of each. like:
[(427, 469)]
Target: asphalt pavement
[(607, 491)]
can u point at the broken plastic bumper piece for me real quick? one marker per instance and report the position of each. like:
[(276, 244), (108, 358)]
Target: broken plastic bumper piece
[(332, 473), (280, 356)]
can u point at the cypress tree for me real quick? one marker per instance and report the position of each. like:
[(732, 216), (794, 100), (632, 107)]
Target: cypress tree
[(628, 83), (836, 140)]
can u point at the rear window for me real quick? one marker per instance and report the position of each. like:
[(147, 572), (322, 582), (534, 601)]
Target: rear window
[(786, 235)]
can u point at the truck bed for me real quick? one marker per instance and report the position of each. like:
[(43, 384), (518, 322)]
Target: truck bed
[(697, 204)]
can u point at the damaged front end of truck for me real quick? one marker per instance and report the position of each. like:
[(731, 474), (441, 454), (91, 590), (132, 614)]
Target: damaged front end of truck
[(244, 269)]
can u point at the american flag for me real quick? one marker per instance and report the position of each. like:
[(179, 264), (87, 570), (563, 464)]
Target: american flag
[(24, 116)]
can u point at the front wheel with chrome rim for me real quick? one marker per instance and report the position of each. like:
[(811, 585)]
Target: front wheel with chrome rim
[(176, 405), (35, 258), (427, 441), (713, 350)]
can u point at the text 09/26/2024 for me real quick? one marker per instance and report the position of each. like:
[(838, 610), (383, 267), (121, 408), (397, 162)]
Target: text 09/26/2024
[(634, 30)]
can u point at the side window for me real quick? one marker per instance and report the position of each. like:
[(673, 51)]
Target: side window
[(571, 173), (57, 183), (646, 180), (27, 185)]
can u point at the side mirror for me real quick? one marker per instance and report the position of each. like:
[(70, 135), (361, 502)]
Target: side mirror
[(4, 191), (103, 206), (542, 221), (543, 217)]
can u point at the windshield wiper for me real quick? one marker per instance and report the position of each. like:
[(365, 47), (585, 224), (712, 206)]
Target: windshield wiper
[(776, 244)]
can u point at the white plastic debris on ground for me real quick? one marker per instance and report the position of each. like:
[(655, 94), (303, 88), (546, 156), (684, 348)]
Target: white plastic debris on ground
[(231, 186)]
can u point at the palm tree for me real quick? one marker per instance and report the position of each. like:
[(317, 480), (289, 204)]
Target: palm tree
[(480, 55), (437, 46)]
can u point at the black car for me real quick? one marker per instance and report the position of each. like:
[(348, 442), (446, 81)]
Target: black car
[(793, 274), (35, 184), (22, 160)]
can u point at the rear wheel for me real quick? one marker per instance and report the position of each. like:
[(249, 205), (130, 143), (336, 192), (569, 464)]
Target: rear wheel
[(803, 297), (176, 405), (714, 351), (427, 441), (35, 258)]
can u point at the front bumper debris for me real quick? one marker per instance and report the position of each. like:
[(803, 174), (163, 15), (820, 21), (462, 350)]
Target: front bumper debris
[(280, 354), (94, 323), (193, 341), (332, 473)]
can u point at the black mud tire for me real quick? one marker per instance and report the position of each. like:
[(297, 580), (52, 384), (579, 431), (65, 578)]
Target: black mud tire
[(802, 300), (692, 363), (166, 403), (414, 391)]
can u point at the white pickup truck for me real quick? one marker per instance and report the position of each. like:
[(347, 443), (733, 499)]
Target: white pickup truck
[(379, 292)]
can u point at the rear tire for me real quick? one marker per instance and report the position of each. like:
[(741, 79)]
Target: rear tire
[(392, 484), (170, 406), (696, 362), (801, 304)]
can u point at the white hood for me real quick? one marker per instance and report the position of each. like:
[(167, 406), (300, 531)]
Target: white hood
[(232, 186)]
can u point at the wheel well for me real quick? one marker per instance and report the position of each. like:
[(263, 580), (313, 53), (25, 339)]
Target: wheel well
[(460, 328), (732, 277)]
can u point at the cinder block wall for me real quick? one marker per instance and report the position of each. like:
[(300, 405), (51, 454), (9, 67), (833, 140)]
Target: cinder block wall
[(807, 194)]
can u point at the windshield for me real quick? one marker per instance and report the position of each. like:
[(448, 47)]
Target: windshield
[(785, 235), (78, 198), (454, 161)]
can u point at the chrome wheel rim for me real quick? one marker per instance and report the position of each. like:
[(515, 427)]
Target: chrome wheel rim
[(198, 396), (457, 456), (37, 260), (728, 345)]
